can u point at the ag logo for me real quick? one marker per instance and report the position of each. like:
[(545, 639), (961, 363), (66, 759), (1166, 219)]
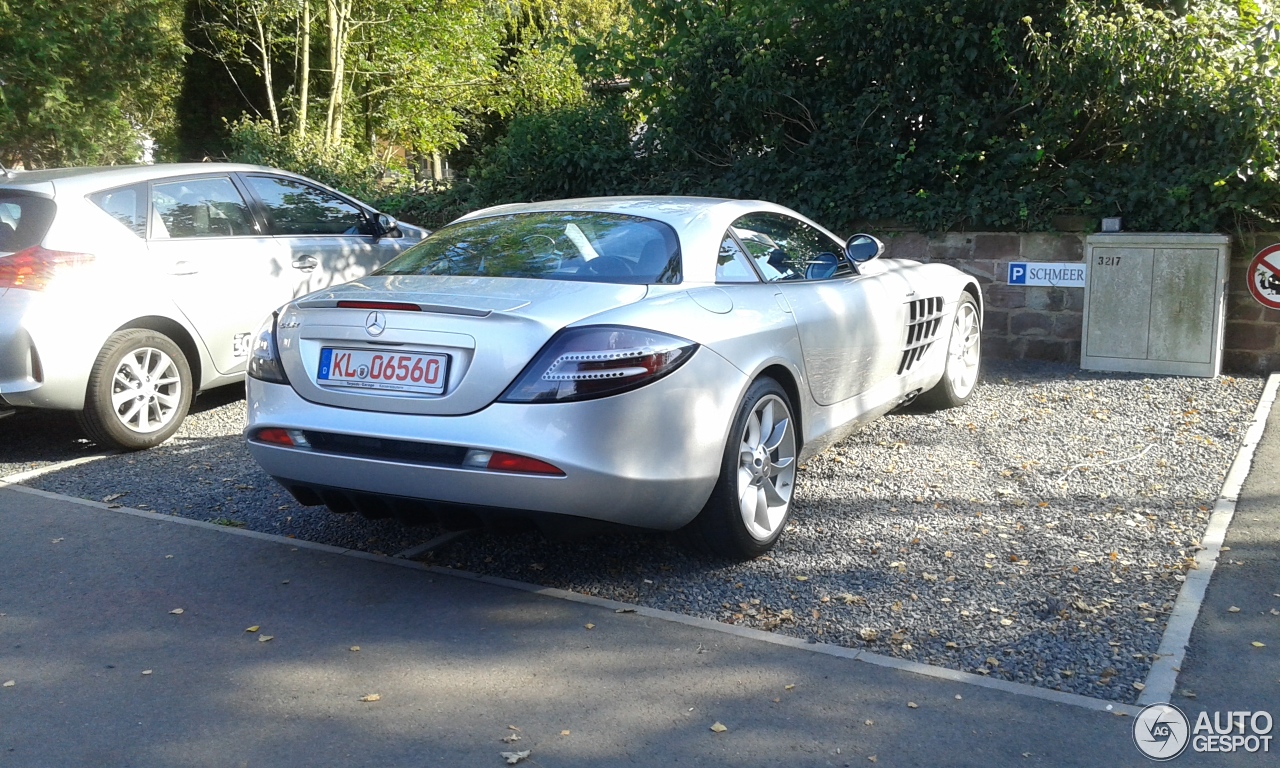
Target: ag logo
[(1160, 731)]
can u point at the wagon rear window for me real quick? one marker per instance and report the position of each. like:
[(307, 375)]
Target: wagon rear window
[(24, 220), (590, 247)]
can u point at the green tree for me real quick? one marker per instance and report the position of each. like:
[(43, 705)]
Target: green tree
[(81, 81)]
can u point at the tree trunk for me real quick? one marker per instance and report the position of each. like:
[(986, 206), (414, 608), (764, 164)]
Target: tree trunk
[(304, 76), (339, 30), (264, 48)]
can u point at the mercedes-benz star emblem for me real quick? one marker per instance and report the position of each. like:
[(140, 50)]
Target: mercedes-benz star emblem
[(375, 323)]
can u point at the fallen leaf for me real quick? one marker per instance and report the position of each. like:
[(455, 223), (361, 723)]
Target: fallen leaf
[(512, 728), (718, 727), (589, 626), (777, 701), (168, 557), (802, 578), (625, 610), (146, 671), (176, 611), (8, 684), (265, 638), (1006, 622), (1233, 609), (868, 635), (355, 648), (515, 757), (55, 541), (373, 697), (912, 705), (872, 758), (1257, 644), (113, 497), (1139, 686), (565, 732), (511, 738), (790, 686), (254, 628)]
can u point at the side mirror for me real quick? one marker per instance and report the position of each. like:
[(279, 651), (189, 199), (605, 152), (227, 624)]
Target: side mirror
[(862, 248), (388, 226), (822, 266)]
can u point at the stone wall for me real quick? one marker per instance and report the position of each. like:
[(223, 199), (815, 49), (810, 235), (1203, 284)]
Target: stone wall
[(1030, 322)]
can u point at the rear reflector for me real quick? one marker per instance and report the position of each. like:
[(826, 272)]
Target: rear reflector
[(509, 462), (34, 268), (274, 436), (394, 306)]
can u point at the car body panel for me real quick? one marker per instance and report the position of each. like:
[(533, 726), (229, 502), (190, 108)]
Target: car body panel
[(842, 346), (214, 290)]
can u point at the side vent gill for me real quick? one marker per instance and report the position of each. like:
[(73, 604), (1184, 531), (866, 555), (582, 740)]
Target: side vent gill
[(924, 318)]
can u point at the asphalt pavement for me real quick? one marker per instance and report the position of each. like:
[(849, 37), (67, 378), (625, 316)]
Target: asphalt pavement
[(127, 641)]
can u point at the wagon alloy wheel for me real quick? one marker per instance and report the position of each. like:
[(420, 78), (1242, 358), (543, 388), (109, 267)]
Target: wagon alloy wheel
[(146, 390), (962, 357), (139, 391), (963, 360), (766, 470), (751, 502)]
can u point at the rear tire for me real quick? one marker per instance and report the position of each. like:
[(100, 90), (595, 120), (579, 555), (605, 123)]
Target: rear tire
[(139, 391), (751, 503), (964, 359)]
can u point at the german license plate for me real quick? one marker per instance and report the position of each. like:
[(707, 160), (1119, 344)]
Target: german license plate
[(366, 369)]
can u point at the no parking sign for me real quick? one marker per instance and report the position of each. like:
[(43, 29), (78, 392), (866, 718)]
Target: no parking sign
[(1264, 276)]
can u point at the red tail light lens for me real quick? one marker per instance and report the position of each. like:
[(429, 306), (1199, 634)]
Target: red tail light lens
[(598, 361), (34, 268)]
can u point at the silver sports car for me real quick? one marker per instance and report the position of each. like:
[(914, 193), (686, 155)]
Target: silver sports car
[(662, 362)]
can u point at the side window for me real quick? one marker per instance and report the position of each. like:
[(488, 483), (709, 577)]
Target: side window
[(732, 264), (127, 205), (788, 249), (198, 208), (295, 208)]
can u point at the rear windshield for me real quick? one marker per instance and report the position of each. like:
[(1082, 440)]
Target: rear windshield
[(588, 247), (24, 220)]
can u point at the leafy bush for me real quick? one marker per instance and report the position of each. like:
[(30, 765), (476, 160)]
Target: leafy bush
[(930, 114)]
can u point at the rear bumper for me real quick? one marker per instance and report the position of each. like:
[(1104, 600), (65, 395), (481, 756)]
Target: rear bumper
[(646, 458), (46, 351)]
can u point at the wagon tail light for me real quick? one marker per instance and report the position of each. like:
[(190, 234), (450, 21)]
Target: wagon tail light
[(264, 355), (34, 268), (597, 361)]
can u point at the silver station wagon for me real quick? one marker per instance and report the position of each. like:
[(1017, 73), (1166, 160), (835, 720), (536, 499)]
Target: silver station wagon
[(124, 291)]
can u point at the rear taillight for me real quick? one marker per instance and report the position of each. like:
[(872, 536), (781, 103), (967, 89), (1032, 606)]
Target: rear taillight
[(509, 462), (290, 438), (597, 361), (34, 268), (264, 355)]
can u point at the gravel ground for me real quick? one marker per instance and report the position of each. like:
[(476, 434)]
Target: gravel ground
[(1039, 534)]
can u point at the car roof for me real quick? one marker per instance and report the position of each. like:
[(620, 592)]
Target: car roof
[(694, 218), (103, 177)]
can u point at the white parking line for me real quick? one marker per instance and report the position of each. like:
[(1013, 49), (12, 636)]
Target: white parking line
[(853, 654), (30, 474), (1177, 633), (433, 544)]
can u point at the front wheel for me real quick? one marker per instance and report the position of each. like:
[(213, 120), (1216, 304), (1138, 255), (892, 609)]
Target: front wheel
[(139, 391), (964, 356), (751, 502)]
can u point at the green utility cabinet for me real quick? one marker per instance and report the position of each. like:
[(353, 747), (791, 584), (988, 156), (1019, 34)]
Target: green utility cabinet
[(1155, 303)]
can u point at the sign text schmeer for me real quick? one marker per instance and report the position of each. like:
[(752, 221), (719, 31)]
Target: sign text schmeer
[(1068, 275)]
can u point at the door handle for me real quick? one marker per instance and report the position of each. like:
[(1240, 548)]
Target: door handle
[(183, 268), (305, 263)]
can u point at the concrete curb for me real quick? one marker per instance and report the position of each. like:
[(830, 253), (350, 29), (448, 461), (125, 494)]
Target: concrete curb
[(1163, 676)]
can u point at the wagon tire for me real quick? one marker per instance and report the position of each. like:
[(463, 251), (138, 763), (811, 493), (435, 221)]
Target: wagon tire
[(751, 502), (139, 391), (964, 359)]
